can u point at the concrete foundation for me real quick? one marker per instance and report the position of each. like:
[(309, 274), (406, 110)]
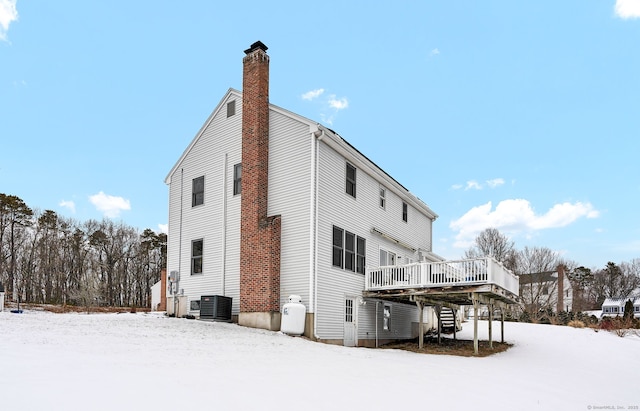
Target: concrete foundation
[(266, 321)]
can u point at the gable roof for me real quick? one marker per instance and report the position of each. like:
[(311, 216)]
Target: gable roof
[(621, 301), (333, 139)]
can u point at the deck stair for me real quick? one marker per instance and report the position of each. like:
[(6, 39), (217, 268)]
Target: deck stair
[(448, 320)]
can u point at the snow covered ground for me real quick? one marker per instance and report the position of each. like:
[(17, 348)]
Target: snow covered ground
[(152, 362)]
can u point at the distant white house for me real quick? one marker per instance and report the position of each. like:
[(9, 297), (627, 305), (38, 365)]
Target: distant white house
[(614, 307)]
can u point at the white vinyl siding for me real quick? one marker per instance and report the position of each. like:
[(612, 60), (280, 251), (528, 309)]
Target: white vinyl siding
[(206, 157), (213, 154), (289, 179), (289, 187), (359, 217)]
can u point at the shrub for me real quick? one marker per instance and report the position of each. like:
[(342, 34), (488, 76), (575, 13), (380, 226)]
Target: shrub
[(576, 324), (607, 324)]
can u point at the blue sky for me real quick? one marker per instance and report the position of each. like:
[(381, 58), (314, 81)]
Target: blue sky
[(523, 116)]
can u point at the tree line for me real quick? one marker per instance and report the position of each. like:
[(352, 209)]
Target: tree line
[(46, 258), (537, 269)]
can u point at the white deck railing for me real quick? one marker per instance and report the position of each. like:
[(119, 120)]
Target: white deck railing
[(476, 271)]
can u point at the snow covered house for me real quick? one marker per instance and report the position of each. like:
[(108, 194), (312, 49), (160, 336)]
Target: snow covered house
[(264, 204), (613, 307)]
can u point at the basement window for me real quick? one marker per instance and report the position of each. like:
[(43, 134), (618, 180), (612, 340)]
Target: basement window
[(195, 305)]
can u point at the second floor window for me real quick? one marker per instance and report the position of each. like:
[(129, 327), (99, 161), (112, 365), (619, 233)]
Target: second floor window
[(405, 212), (197, 193), (383, 197), (351, 180)]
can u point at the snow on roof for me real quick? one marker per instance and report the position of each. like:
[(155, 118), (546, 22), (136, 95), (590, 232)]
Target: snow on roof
[(620, 301)]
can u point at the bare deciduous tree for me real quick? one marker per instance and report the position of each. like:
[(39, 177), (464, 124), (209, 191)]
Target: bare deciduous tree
[(536, 267), (45, 258), (492, 243), (615, 281)]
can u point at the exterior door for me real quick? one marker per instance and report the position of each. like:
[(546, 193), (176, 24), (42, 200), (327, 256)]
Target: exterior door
[(350, 322)]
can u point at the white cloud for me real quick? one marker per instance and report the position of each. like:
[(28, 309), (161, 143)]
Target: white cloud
[(310, 95), (628, 9), (329, 105), (516, 216), (110, 206), (8, 14), (473, 184), (338, 104), (164, 228), (496, 182), (68, 204), (434, 52)]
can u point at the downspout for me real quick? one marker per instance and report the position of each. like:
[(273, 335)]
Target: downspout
[(377, 302), (315, 172), (224, 224), (177, 283)]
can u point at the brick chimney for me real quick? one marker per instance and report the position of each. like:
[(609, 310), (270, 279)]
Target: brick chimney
[(560, 306), (260, 233)]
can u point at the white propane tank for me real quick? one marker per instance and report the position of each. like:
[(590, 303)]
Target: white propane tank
[(293, 316)]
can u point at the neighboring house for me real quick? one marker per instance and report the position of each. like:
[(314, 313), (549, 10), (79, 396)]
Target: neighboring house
[(613, 307), (264, 204), (549, 290), (159, 293)]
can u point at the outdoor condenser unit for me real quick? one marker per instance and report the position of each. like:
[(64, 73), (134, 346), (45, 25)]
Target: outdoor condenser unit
[(215, 307)]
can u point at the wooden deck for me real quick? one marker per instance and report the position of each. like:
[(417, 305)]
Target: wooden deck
[(444, 283), (480, 281)]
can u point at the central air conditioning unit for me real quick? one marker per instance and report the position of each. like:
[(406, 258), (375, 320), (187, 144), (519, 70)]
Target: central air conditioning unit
[(215, 307)]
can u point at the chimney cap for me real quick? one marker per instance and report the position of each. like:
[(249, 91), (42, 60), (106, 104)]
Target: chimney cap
[(257, 45)]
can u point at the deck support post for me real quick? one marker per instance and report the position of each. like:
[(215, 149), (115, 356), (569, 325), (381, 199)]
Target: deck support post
[(502, 325), (455, 322), (438, 312), (421, 325), (491, 324), (476, 305)]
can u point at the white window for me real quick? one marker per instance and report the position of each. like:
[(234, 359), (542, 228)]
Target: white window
[(196, 256), (383, 197), (351, 180), (349, 250), (237, 179), (197, 193), (348, 310), (387, 258)]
